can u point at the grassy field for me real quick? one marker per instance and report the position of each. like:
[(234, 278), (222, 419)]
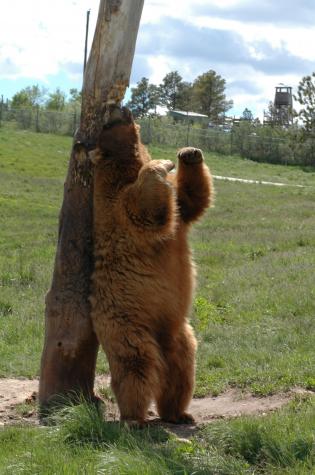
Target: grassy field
[(82, 443), (253, 313)]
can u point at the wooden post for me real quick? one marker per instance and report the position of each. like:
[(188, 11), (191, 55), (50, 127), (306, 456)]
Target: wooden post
[(37, 119), (70, 347), (1, 109)]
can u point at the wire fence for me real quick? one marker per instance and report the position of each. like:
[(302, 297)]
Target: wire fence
[(261, 145), (258, 146), (41, 120)]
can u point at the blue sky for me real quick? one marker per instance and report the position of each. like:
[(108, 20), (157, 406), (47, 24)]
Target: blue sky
[(253, 45)]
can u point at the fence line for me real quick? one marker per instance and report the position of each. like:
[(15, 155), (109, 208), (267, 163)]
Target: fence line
[(41, 120), (237, 141)]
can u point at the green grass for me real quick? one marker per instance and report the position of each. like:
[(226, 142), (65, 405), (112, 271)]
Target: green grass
[(253, 315), (237, 167), (31, 178), (282, 443), (255, 306), (82, 442), (256, 260)]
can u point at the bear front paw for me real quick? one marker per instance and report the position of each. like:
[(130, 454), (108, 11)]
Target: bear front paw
[(163, 167), (157, 169), (190, 155)]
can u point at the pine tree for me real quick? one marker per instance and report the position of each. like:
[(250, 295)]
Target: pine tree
[(209, 95), (170, 88), (247, 115), (306, 98), (144, 98)]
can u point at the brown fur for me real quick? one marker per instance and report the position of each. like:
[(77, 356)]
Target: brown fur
[(144, 278)]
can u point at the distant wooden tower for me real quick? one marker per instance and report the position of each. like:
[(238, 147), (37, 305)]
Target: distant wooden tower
[(281, 110), (283, 104)]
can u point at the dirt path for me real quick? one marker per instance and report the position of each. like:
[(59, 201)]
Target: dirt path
[(18, 396), (258, 182)]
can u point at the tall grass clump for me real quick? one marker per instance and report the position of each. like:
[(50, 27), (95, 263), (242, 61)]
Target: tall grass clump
[(282, 441), (81, 423), (129, 451)]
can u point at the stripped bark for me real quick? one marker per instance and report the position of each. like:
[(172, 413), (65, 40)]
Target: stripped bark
[(70, 346)]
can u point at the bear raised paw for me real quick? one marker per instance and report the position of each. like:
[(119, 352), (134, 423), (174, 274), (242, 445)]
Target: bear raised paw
[(144, 277)]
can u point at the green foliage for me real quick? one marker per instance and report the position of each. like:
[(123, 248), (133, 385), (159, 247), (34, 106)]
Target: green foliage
[(247, 139), (144, 98), (206, 313), (35, 97), (174, 92), (75, 95), (184, 96), (56, 100), (74, 102), (209, 95), (306, 98), (30, 96), (272, 144), (206, 95), (247, 115), (21, 99)]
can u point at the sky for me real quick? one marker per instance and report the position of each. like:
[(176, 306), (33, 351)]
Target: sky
[(254, 45)]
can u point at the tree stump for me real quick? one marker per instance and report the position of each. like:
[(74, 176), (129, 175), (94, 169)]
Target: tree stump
[(70, 346)]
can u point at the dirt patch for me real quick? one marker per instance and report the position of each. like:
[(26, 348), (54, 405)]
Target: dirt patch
[(14, 392), (18, 404)]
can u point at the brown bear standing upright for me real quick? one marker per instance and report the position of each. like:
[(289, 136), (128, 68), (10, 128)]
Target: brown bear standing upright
[(143, 282)]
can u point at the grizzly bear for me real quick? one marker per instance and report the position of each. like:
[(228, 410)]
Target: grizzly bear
[(144, 277)]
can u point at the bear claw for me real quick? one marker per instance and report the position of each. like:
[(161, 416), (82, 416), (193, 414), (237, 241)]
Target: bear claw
[(116, 115), (184, 418), (134, 423), (190, 155)]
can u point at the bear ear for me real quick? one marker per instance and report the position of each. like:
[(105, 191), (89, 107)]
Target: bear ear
[(83, 151), (80, 151), (95, 155)]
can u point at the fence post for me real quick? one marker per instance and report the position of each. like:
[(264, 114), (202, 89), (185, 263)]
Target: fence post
[(149, 131), (312, 149), (37, 119), (188, 131), (74, 121), (1, 109)]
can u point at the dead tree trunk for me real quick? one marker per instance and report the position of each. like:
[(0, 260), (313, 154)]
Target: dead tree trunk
[(70, 347)]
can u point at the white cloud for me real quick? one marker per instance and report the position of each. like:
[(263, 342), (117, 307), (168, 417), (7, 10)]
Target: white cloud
[(40, 38), (154, 10)]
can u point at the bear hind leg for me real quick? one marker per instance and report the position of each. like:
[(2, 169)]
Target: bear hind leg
[(178, 385), (134, 378), (133, 397)]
